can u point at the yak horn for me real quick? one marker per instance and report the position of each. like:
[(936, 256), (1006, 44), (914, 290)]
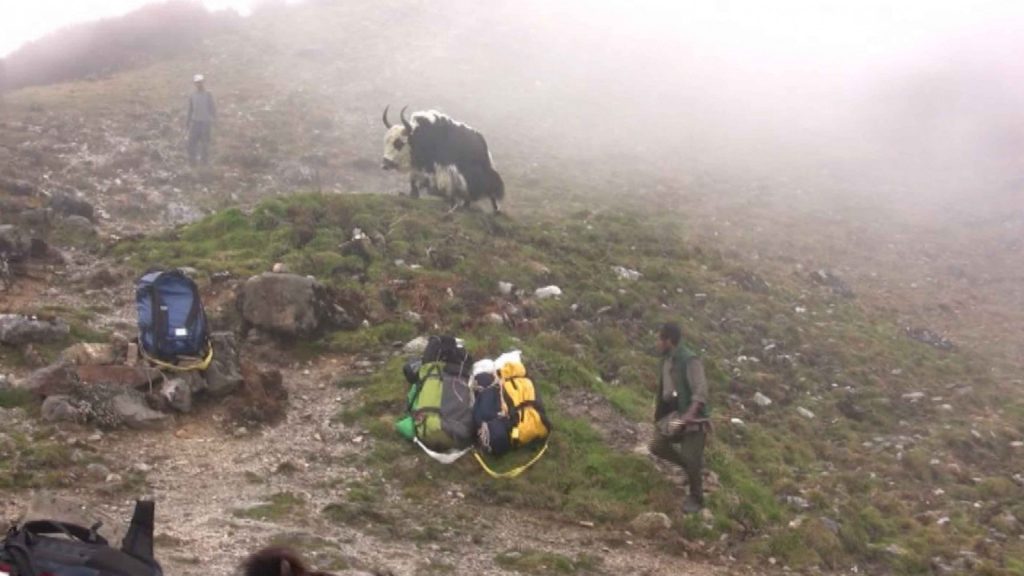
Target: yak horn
[(404, 121), (386, 123)]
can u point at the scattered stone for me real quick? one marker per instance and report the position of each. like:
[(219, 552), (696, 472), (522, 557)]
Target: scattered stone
[(412, 317), (59, 378), (70, 204), (279, 268), (547, 292), (17, 187), (90, 354), (737, 422), (78, 227), (762, 400), (651, 523), (132, 356), (830, 280), (797, 502), (132, 411), (224, 374), (706, 515), (17, 330), (805, 412), (895, 550), (505, 288), (913, 396), (113, 479), (177, 213), (494, 318), (141, 467), (926, 336), (1007, 523), (178, 394), (97, 471), (416, 346), (61, 408), (626, 273), (830, 525)]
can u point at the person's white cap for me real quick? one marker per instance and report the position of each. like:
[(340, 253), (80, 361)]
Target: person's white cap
[(198, 78)]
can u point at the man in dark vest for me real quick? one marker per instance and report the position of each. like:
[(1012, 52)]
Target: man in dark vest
[(201, 115), (681, 414)]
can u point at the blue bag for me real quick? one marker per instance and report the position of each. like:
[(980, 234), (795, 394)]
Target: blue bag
[(172, 322)]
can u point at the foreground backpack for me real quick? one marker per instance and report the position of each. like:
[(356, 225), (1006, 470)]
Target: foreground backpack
[(528, 422), (50, 547), (172, 322), (441, 407)]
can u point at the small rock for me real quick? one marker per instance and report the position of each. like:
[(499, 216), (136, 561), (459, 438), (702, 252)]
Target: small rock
[(913, 396), (279, 268), (224, 375), (178, 394), (505, 288), (494, 318), (626, 273), (113, 479), (762, 400), (805, 412), (1016, 444), (141, 467), (547, 292), (97, 471), (59, 378), (797, 502), (706, 515), (416, 346), (91, 354), (132, 411), (17, 330), (830, 525), (60, 408), (412, 317), (95, 437), (651, 523), (737, 422)]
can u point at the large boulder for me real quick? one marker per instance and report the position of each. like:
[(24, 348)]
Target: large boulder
[(286, 304), (16, 330), (225, 373)]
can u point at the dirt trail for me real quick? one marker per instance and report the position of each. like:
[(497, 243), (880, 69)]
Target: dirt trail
[(201, 472)]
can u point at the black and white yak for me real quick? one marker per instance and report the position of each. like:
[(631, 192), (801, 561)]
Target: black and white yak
[(443, 158)]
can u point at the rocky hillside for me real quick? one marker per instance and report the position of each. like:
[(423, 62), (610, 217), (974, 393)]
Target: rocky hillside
[(851, 432)]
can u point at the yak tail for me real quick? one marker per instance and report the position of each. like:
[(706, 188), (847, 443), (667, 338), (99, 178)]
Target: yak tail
[(496, 185)]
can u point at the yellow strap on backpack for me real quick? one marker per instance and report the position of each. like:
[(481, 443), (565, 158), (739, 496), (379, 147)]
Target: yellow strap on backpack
[(513, 472), (201, 365)]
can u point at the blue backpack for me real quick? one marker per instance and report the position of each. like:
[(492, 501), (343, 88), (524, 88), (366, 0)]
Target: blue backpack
[(172, 322)]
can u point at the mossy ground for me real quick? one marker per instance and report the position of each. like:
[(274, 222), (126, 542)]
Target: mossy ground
[(867, 460)]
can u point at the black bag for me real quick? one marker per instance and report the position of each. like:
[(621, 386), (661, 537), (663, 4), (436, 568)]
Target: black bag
[(50, 547), (448, 350)]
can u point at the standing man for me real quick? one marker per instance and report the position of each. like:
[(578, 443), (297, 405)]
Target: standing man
[(201, 115), (681, 415)]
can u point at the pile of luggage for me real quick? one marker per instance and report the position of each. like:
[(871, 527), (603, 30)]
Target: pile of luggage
[(455, 405)]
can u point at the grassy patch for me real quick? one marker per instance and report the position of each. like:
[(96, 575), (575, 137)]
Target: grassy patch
[(541, 562), (280, 506), (775, 335)]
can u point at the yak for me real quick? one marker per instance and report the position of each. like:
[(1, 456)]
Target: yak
[(443, 158)]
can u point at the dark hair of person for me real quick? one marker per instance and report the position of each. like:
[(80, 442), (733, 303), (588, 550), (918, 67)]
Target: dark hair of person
[(672, 332)]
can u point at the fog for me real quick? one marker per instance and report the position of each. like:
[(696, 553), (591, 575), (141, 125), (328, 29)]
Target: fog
[(908, 101)]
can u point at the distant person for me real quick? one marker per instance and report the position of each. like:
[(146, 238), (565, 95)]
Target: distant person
[(201, 115), (681, 413)]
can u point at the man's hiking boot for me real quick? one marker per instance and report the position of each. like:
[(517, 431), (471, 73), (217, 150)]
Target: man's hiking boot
[(692, 505)]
